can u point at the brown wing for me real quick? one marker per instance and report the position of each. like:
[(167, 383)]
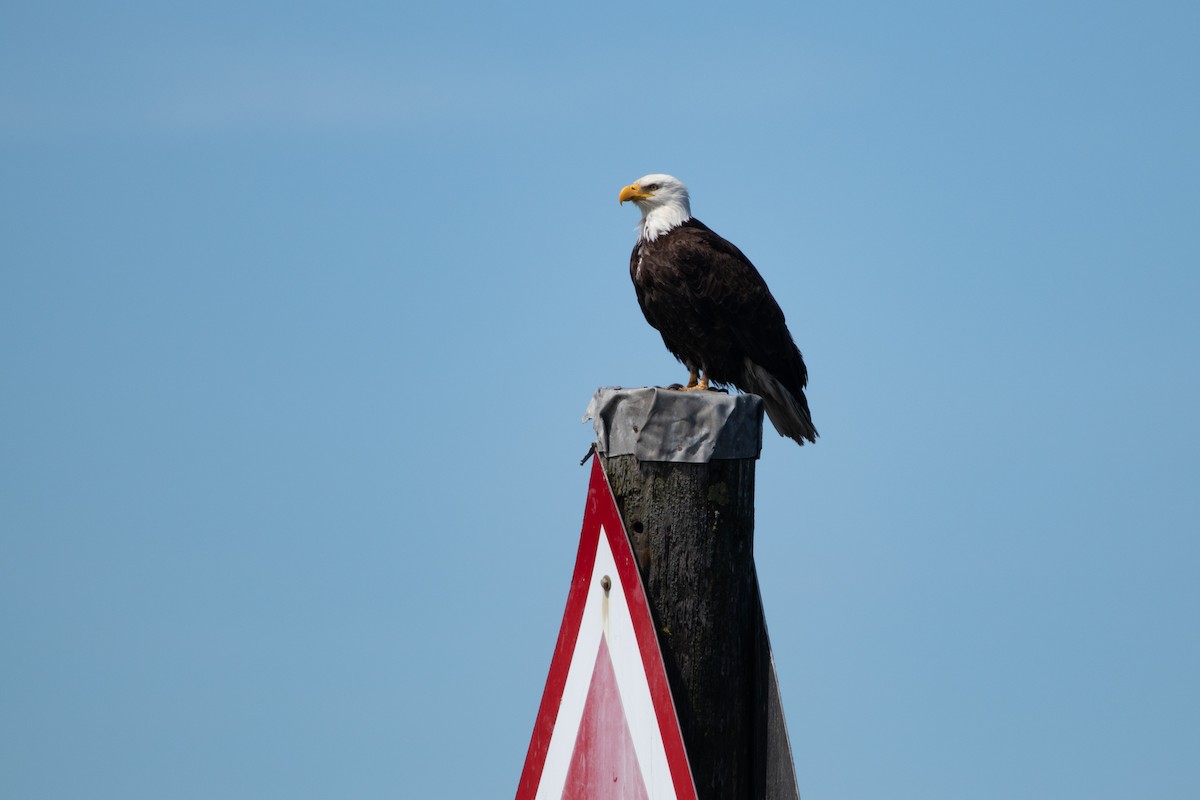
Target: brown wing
[(741, 317)]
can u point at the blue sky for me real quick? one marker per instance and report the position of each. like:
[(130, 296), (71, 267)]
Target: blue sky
[(300, 308)]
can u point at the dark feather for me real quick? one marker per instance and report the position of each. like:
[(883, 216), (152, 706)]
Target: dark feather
[(716, 315)]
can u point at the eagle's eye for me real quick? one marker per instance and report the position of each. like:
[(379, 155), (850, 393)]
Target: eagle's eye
[(652, 187)]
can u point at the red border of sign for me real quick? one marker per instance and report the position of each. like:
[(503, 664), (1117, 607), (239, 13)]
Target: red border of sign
[(601, 511)]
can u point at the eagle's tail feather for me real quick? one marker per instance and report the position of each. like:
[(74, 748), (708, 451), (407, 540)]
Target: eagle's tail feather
[(788, 412)]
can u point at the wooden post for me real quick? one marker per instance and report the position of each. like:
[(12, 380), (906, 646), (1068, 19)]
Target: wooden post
[(686, 496)]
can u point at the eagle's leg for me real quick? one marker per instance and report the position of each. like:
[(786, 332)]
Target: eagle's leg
[(696, 382)]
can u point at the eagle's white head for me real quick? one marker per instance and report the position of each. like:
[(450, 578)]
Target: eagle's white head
[(663, 201)]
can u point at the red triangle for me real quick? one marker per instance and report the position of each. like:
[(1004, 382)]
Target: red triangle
[(602, 721), (604, 765)]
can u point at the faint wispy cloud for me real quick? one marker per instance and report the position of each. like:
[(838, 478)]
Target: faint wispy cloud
[(220, 95), (229, 93)]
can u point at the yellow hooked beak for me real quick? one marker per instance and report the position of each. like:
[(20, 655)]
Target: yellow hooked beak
[(632, 192)]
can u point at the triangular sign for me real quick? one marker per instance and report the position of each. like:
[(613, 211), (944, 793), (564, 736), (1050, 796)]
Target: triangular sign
[(606, 728)]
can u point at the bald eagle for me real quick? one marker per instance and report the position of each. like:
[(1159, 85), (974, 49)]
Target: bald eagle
[(713, 309)]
